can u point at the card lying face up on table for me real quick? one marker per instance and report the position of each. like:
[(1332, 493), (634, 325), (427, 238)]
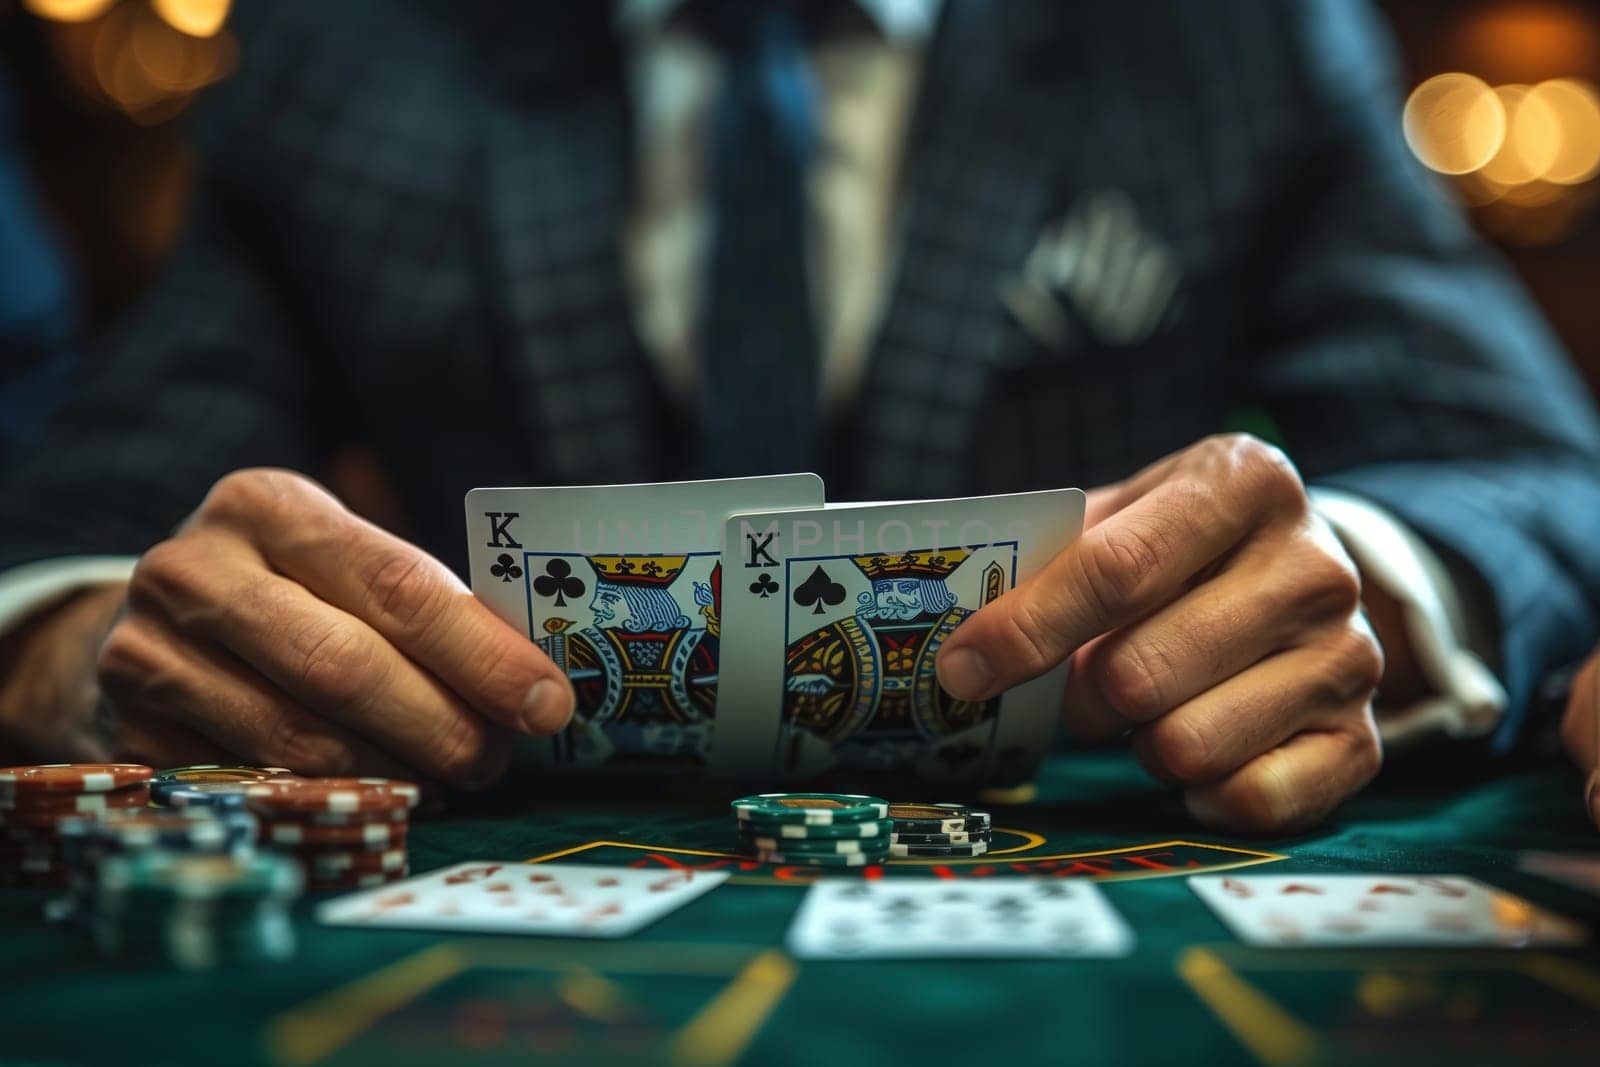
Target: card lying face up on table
[(744, 629)]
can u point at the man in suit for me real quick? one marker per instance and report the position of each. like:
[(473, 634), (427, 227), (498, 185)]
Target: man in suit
[(928, 248), (38, 308)]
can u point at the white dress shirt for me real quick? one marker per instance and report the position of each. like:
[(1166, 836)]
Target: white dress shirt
[(866, 83)]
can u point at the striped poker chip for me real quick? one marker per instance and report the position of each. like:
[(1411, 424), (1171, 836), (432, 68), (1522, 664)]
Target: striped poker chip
[(339, 796), (976, 848), (938, 819), (810, 809), (370, 834), (954, 837), (70, 778)]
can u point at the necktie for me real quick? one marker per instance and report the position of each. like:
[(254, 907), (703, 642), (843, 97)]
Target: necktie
[(758, 339)]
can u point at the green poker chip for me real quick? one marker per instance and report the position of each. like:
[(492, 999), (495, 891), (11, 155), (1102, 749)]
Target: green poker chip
[(810, 809), (938, 819), (817, 859), (879, 829), (955, 837), (977, 848), (818, 846)]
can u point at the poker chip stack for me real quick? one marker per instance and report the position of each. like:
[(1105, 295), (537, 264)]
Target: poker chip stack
[(37, 801), (928, 831), (196, 911), (345, 833), (814, 829), (209, 785)]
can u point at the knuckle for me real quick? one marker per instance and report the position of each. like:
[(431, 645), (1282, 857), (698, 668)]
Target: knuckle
[(1182, 750), (1355, 666), (1134, 680), (1265, 469), (1337, 584), (404, 589), (461, 750), (240, 494), (167, 570), (1118, 563), (337, 666), (503, 675), (127, 657), (1037, 636), (298, 743)]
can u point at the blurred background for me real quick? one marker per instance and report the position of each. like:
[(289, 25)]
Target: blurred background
[(1503, 105)]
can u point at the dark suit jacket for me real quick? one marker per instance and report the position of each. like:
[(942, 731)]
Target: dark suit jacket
[(408, 234)]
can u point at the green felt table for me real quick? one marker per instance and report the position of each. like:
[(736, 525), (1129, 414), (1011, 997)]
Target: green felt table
[(711, 984)]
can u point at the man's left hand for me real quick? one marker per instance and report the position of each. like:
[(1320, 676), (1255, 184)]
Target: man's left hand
[(1215, 620), (1580, 732)]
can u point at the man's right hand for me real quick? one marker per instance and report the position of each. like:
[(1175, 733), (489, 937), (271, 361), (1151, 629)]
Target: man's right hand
[(278, 628)]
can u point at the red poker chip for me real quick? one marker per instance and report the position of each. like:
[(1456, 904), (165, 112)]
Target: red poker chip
[(336, 796), (74, 803), (399, 816), (70, 778), (365, 835), (41, 820), (330, 864)]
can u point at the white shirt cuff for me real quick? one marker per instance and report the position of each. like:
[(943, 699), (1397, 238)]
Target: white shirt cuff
[(27, 589), (1468, 700)]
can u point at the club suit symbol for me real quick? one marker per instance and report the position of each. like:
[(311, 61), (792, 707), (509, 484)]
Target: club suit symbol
[(505, 568), (644, 669), (764, 586), (1101, 263), (558, 581)]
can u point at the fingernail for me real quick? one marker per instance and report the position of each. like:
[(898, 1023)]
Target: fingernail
[(965, 673), (547, 708)]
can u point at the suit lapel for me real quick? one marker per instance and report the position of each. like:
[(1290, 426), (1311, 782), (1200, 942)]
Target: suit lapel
[(990, 138), (557, 189)]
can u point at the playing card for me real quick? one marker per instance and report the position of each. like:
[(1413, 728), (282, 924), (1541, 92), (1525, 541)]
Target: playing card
[(1296, 911), (620, 586), (1051, 917), (562, 900), (835, 618), (1580, 870)]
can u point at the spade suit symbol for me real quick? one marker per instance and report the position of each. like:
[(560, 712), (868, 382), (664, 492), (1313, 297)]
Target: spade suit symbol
[(819, 589)]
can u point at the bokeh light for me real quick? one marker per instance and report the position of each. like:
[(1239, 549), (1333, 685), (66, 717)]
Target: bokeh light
[(1532, 138), (1454, 123), (67, 10), (197, 18), (1524, 157), (1575, 108)]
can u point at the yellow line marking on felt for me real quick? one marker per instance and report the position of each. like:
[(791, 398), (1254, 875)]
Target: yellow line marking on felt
[(1273, 1035), (318, 1028), (313, 1031), (1251, 858), (725, 1027), (1575, 981), (590, 994)]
